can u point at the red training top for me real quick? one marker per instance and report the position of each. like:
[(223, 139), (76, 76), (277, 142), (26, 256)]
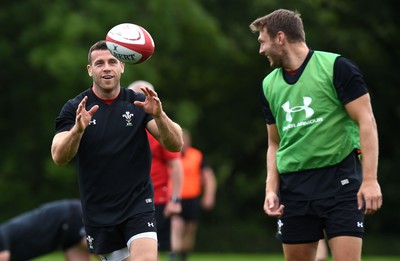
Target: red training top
[(160, 170)]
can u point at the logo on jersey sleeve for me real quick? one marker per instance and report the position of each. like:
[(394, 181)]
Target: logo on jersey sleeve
[(128, 117)]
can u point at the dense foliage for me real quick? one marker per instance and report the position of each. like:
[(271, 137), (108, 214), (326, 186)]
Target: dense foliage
[(208, 73)]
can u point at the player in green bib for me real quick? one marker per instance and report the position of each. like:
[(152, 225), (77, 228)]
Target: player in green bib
[(319, 119)]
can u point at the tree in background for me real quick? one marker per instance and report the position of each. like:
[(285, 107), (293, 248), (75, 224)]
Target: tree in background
[(206, 70)]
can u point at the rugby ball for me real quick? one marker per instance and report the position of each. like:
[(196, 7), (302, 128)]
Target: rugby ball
[(130, 43)]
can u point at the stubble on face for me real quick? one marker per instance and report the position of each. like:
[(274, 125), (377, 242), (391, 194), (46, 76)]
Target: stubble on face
[(274, 56)]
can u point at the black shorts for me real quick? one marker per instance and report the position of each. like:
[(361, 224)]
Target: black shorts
[(107, 239), (333, 216), (190, 209), (163, 229)]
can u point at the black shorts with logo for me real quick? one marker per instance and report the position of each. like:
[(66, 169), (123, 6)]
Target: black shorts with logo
[(332, 216), (107, 239), (321, 201)]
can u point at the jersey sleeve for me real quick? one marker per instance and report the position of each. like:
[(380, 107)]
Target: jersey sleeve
[(269, 117), (348, 80), (66, 119)]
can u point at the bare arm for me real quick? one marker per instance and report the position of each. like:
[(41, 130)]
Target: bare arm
[(176, 176), (167, 132), (176, 184), (65, 144), (209, 188), (271, 203), (360, 111)]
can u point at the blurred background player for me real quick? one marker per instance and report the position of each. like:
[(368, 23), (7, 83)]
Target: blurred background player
[(322, 250), (51, 227), (198, 191), (166, 168)]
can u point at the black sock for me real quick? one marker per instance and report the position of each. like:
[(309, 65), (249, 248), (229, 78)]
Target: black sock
[(184, 256), (172, 256)]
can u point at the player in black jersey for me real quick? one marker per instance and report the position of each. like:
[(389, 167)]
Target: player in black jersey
[(104, 128), (53, 226)]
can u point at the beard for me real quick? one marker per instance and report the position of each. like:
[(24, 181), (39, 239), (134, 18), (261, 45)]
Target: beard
[(275, 56)]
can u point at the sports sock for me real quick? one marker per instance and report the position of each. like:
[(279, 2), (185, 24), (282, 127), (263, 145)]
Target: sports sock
[(172, 256), (184, 256)]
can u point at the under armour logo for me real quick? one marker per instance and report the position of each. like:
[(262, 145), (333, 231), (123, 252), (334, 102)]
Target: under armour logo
[(360, 224), (150, 224), (306, 103), (115, 47), (92, 122)]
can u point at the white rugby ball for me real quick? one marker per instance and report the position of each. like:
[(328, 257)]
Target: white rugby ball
[(130, 43)]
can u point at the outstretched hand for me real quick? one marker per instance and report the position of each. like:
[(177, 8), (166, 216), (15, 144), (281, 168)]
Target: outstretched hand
[(83, 117), (152, 104)]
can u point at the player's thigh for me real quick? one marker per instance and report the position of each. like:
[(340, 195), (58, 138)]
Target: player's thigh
[(143, 249), (346, 248), (77, 253), (191, 228), (177, 225), (303, 252)]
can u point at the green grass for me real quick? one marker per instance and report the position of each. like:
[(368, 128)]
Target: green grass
[(58, 256)]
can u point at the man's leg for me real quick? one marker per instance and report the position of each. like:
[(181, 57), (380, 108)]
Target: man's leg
[(346, 248), (300, 252), (189, 236), (78, 252), (322, 251), (177, 232), (143, 249)]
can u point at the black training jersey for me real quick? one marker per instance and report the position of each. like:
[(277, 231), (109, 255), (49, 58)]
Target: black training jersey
[(53, 226), (113, 158)]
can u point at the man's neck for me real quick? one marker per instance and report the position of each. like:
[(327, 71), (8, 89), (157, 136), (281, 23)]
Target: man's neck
[(104, 94), (297, 54)]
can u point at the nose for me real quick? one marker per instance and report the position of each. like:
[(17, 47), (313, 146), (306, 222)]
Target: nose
[(261, 50), (106, 67)]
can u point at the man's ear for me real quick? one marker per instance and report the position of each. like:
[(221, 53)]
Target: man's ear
[(280, 37), (122, 67), (89, 69)]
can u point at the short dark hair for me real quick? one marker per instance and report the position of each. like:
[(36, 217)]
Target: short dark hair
[(100, 45), (283, 20)]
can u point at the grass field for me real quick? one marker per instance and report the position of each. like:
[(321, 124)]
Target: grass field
[(228, 257)]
